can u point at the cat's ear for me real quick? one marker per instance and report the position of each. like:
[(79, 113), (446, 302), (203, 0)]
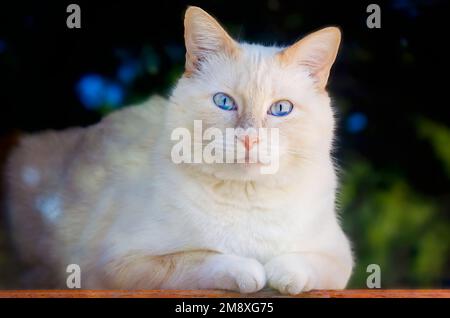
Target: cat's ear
[(204, 36), (317, 52)]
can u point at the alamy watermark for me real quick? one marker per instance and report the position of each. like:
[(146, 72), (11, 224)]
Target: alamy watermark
[(235, 146), (373, 21), (374, 279), (73, 21), (74, 278)]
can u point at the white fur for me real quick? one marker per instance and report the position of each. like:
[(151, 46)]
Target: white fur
[(124, 202)]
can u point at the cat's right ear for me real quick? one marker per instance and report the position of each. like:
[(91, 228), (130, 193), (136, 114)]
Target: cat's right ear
[(203, 37)]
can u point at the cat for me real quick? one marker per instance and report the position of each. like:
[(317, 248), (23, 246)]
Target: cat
[(110, 198)]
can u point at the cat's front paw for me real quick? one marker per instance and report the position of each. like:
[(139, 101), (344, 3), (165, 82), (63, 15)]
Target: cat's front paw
[(290, 274), (241, 274), (249, 276)]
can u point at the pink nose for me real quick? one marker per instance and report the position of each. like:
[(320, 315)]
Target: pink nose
[(250, 141)]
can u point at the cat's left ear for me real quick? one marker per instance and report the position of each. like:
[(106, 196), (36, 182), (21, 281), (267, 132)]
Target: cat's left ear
[(317, 52)]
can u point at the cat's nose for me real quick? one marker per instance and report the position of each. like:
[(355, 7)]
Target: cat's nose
[(250, 141)]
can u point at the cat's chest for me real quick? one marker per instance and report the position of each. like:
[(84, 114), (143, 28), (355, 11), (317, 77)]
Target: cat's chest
[(198, 219), (250, 231)]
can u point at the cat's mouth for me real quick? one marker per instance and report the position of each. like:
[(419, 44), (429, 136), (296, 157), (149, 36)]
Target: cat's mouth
[(251, 161), (255, 164), (254, 159)]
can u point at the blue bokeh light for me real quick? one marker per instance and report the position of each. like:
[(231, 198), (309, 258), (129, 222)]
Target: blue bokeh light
[(114, 95), (356, 122), (95, 91), (2, 46), (90, 90), (128, 71), (409, 7)]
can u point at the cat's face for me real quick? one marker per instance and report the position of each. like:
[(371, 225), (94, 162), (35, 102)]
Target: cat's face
[(237, 85)]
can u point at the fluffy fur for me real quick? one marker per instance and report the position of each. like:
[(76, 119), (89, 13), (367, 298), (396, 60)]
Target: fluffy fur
[(109, 198)]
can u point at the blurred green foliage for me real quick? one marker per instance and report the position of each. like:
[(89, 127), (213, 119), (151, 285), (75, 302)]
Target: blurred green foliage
[(395, 226)]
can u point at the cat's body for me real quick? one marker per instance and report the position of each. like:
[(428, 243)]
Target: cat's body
[(110, 199)]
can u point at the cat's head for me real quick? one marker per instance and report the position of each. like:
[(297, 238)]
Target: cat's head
[(228, 84)]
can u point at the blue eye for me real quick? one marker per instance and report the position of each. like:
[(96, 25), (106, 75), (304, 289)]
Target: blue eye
[(224, 101), (280, 108)]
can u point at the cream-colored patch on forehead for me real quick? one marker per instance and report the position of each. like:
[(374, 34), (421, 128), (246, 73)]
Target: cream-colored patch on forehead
[(258, 79)]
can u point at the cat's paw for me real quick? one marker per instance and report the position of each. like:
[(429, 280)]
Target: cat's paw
[(241, 274), (290, 274)]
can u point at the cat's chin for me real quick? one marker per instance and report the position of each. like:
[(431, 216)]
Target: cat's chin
[(238, 171)]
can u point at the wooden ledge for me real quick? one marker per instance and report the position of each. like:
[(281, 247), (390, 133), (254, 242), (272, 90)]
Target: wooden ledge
[(355, 293)]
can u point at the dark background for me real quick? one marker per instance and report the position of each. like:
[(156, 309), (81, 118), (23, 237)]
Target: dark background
[(389, 87)]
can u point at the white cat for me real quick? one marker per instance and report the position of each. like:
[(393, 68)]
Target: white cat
[(110, 199)]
